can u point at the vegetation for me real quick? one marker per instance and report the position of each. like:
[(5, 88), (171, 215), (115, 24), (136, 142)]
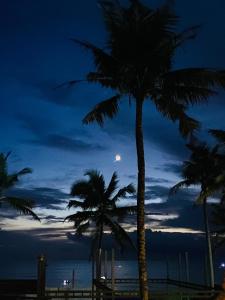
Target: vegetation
[(100, 209), (137, 62), (23, 206), (203, 168)]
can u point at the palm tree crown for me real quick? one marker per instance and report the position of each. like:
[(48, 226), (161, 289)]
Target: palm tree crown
[(99, 208), (138, 62), (24, 206), (204, 168)]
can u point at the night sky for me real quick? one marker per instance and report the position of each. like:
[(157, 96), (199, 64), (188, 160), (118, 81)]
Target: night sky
[(42, 125)]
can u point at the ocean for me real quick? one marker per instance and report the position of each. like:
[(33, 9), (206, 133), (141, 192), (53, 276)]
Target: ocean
[(58, 271)]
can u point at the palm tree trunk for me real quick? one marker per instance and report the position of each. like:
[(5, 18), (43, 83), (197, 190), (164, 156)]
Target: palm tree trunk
[(209, 246), (100, 253), (143, 278)]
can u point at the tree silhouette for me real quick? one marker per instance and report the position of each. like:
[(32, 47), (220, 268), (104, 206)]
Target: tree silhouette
[(99, 209), (137, 62), (23, 206)]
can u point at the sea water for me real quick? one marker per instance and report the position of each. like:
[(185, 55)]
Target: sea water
[(58, 271)]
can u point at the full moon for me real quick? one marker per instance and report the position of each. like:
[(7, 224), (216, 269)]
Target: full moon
[(117, 157)]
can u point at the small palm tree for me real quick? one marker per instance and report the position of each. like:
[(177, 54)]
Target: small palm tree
[(203, 168), (99, 208), (137, 62), (23, 206)]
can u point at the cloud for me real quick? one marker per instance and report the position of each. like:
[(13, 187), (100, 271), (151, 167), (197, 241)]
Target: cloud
[(172, 167), (44, 134), (152, 180), (44, 197), (61, 142)]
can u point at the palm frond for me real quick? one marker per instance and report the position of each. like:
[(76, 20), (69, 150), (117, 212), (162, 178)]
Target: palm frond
[(218, 134), (196, 77), (80, 188), (176, 112), (23, 206), (80, 216), (104, 62), (187, 125), (24, 171), (122, 193), (122, 212), (179, 185), (102, 79), (81, 229), (96, 180), (121, 236), (107, 108), (112, 186), (189, 33), (75, 204)]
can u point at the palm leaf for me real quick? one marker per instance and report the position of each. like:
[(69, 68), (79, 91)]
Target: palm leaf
[(23, 206), (218, 134), (75, 204), (104, 62), (121, 236), (96, 180), (129, 189), (188, 34), (179, 185), (107, 108), (80, 188), (198, 77), (80, 216), (112, 186), (176, 112), (122, 212), (81, 229)]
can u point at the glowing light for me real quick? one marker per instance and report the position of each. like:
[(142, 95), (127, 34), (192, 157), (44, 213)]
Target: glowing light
[(118, 157)]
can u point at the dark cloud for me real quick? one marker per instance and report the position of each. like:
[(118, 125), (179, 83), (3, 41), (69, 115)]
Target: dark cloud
[(44, 197), (175, 168), (42, 128), (152, 180), (61, 142)]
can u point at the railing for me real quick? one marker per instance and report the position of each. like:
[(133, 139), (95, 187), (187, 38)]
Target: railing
[(124, 294), (128, 294)]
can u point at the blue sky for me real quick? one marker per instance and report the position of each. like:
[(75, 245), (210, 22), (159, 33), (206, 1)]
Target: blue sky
[(42, 126)]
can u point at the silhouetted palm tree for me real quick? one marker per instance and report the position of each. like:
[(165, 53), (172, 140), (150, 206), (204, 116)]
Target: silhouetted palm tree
[(203, 168), (24, 206), (218, 220), (138, 63), (99, 208)]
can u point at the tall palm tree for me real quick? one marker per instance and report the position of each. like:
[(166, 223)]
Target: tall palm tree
[(218, 220), (203, 168), (23, 206), (137, 63), (99, 210)]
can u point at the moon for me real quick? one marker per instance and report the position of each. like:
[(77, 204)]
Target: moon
[(118, 157)]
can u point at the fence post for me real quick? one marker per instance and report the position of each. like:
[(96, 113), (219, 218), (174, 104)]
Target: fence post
[(113, 273), (187, 266), (105, 265), (41, 276), (179, 267)]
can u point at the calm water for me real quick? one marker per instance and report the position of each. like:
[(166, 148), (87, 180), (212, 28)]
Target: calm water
[(57, 271)]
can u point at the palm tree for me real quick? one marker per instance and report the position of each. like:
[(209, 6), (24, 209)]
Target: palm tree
[(137, 63), (23, 206), (203, 168), (218, 220), (99, 208)]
